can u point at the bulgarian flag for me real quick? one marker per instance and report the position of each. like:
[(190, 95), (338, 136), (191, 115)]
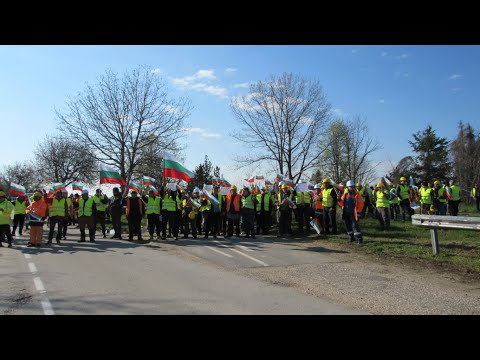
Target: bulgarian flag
[(110, 176), (155, 191), (58, 187), (224, 182), (134, 186), (268, 182), (148, 181), (17, 189), (259, 178), (173, 169), (251, 180), (77, 186)]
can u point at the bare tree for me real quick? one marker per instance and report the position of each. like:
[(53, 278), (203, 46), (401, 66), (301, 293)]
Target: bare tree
[(22, 173), (66, 160), (404, 168), (281, 119), (358, 146), (348, 149), (123, 118)]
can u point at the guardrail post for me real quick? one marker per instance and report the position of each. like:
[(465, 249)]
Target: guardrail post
[(434, 236)]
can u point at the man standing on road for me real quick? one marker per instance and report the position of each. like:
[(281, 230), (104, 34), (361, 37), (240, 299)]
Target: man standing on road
[(19, 214), (153, 213), (58, 211), (86, 216), (116, 207), (134, 214), (101, 202), (352, 204), (6, 209)]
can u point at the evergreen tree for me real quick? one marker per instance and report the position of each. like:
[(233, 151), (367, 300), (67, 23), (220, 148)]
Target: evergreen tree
[(432, 161)]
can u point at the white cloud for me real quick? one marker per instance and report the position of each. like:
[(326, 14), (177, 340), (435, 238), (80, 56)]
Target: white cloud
[(402, 57), (203, 132), (245, 85), (192, 82), (455, 77), (156, 71), (384, 53), (231, 70), (456, 90), (381, 101)]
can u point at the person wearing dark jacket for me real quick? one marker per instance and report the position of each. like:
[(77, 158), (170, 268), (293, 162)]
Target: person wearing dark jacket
[(134, 211), (116, 207)]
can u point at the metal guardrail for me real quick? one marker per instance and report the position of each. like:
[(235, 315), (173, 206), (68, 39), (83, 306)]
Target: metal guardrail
[(435, 222)]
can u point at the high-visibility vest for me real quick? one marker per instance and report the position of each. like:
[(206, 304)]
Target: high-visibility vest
[(220, 200), (403, 191), (58, 207), (290, 196), (258, 206), (69, 204), (236, 202), (247, 202), (455, 192), (266, 202), (6, 208), (19, 208), (153, 205), (207, 207), (362, 193), (98, 203), (85, 208), (327, 197), (425, 195), (318, 201), (382, 200), (395, 199), (169, 204), (302, 198), (441, 193), (39, 208)]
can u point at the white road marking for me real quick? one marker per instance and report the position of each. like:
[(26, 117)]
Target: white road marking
[(218, 251), (250, 257), (244, 248), (39, 285), (221, 244), (27, 256), (32, 267), (47, 307)]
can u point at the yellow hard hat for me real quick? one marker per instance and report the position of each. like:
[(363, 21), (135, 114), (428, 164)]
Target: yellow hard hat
[(358, 184), (403, 178), (233, 187), (2, 194), (284, 186), (326, 180), (379, 184), (436, 182)]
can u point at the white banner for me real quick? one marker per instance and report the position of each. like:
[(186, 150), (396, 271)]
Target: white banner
[(208, 188), (302, 187), (225, 190), (172, 186)]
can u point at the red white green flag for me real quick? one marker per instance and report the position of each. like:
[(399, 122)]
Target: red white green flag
[(58, 187), (110, 176), (155, 191), (175, 170), (251, 180), (17, 189), (134, 186), (77, 186), (259, 178), (148, 181)]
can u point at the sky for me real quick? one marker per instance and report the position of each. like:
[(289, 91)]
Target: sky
[(396, 89)]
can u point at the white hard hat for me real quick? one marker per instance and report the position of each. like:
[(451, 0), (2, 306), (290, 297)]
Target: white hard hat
[(317, 186), (350, 183), (196, 190)]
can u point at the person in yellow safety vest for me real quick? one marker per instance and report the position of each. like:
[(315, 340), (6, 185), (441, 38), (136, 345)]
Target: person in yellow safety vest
[(329, 202), (20, 207), (249, 203), (455, 200), (152, 209), (205, 210), (302, 199), (6, 209), (403, 193), (439, 198), (58, 210), (383, 206), (189, 217), (426, 199), (318, 207), (264, 209), (352, 204), (101, 202), (86, 216), (285, 200), (169, 213), (476, 195), (68, 216), (216, 210), (394, 201)]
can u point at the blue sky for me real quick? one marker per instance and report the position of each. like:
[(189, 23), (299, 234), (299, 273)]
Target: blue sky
[(396, 89)]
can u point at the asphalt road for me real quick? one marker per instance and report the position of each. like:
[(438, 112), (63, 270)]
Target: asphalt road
[(162, 277)]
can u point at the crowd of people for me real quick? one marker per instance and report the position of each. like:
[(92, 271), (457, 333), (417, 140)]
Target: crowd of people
[(250, 212)]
